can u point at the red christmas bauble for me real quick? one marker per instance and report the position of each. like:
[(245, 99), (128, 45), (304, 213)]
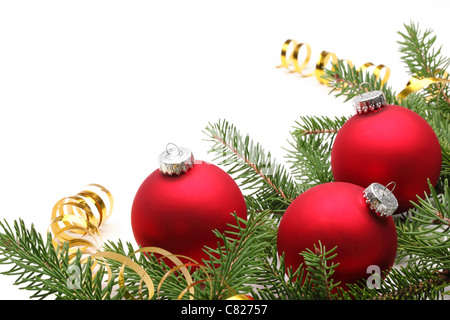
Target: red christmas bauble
[(389, 144), (336, 214), (178, 206)]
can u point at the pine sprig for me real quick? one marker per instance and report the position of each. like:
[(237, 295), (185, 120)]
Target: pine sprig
[(311, 281), (423, 60), (169, 287), (281, 284), (238, 260), (346, 81), (310, 150), (424, 236), (415, 282), (47, 270), (269, 183), (320, 266), (419, 52), (440, 122)]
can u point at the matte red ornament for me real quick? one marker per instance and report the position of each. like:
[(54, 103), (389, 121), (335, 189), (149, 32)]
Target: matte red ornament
[(387, 144), (336, 214), (178, 206)]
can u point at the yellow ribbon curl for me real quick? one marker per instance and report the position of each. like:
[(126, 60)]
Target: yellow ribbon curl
[(415, 84), (76, 220), (291, 62), (127, 262)]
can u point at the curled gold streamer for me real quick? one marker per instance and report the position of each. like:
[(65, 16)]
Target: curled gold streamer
[(377, 71), (324, 58), (76, 220), (126, 261), (291, 63), (285, 62), (292, 60), (415, 84)]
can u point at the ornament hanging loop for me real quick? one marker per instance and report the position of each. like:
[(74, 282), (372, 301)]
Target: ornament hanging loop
[(361, 87), (168, 150), (386, 187), (175, 163)]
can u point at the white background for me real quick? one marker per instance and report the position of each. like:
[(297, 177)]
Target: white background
[(92, 91)]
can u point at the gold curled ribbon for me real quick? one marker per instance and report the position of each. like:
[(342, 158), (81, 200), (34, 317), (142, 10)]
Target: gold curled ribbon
[(377, 71), (415, 84), (179, 266), (127, 262), (324, 58), (76, 219), (290, 53), (292, 60)]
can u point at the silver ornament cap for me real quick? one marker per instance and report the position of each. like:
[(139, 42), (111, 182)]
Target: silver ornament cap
[(380, 199), (175, 160), (369, 102)]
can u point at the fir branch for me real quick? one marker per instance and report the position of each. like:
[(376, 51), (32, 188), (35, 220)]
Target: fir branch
[(320, 272), (312, 280), (47, 271), (414, 283), (441, 126), (157, 269), (423, 60), (345, 80), (420, 56), (424, 237), (310, 151), (277, 283), (269, 183), (238, 261)]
